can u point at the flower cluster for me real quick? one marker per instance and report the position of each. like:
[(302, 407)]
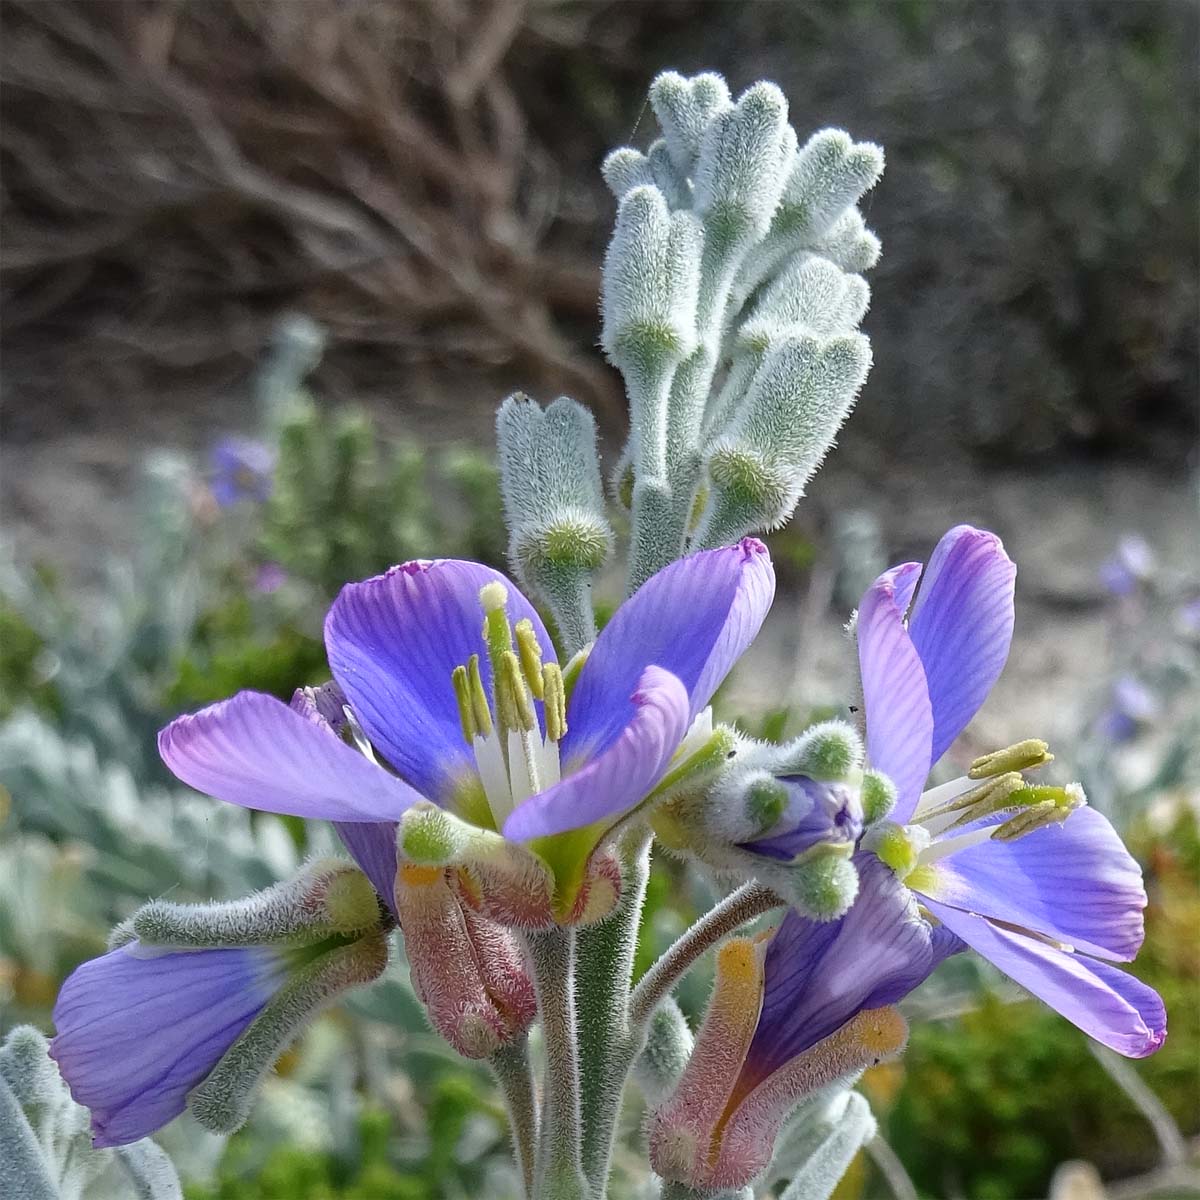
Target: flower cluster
[(498, 790)]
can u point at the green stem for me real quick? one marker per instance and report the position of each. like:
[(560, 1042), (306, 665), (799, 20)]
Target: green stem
[(749, 901), (558, 1174), (680, 1191), (510, 1065), (607, 1049)]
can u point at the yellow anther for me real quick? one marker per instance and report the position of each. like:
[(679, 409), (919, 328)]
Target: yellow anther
[(530, 654), (515, 705), (1040, 806), (1021, 756), (990, 796), (493, 596), (481, 714), (555, 695), (462, 693)]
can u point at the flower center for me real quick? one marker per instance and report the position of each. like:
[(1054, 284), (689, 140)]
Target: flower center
[(514, 760), (994, 785)]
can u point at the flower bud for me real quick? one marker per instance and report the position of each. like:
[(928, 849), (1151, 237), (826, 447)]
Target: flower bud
[(466, 970), (742, 166), (553, 502), (792, 411), (651, 281), (685, 108)]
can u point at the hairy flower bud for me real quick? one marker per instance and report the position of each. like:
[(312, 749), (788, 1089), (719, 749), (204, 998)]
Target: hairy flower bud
[(467, 970), (553, 503), (792, 411), (718, 1128), (685, 108)]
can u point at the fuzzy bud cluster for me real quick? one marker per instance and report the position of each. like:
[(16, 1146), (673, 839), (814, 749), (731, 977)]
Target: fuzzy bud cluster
[(788, 815), (734, 260)]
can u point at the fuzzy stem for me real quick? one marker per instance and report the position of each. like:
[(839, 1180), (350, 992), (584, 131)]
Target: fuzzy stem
[(570, 601), (681, 1191), (510, 1065), (559, 1175), (749, 901), (607, 1049)]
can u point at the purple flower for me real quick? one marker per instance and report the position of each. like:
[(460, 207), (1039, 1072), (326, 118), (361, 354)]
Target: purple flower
[(242, 469), (269, 577), (1131, 705), (1030, 877), (1129, 567), (444, 714), (810, 1007), (139, 1028), (196, 1002)]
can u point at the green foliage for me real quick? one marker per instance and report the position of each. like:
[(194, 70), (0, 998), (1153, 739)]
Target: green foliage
[(347, 504), (230, 651), (386, 1163), (21, 676)]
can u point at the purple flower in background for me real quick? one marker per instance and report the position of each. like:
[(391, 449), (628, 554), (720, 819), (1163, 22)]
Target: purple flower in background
[(139, 1028), (269, 577), (1030, 877), (1131, 705), (480, 725), (1129, 567), (242, 469)]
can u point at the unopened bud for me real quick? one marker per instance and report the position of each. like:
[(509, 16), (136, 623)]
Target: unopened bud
[(742, 168), (683, 1130), (466, 970), (685, 108)]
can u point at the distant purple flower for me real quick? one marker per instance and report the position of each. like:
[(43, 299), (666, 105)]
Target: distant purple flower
[(269, 577), (394, 644), (1188, 617), (1131, 705), (1057, 893), (139, 1028), (1131, 565), (242, 469)]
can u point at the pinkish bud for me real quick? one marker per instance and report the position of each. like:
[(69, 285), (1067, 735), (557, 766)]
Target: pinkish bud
[(718, 1129), (466, 969), (748, 1142), (684, 1129)]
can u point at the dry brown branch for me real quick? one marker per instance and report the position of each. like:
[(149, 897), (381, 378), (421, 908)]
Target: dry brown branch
[(173, 166)]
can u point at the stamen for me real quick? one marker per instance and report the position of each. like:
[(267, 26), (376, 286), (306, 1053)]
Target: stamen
[(530, 654), (1021, 756), (1044, 806), (481, 713), (940, 849), (514, 707), (462, 693), (988, 797), (555, 695)]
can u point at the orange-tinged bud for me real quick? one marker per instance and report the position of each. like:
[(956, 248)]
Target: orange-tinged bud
[(466, 969), (682, 1137), (748, 1141)]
